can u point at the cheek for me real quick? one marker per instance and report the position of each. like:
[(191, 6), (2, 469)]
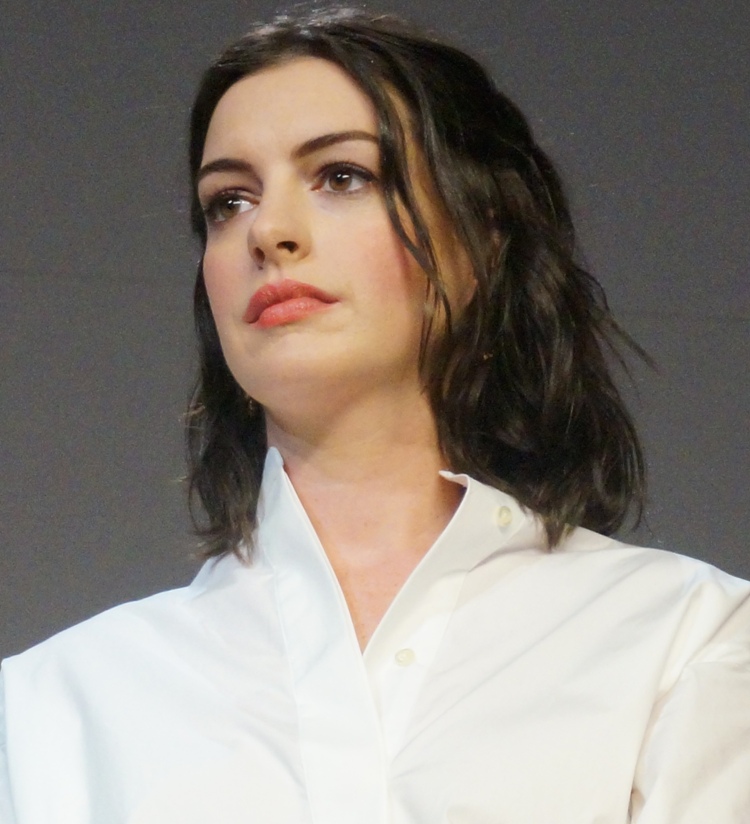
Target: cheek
[(394, 278), (224, 286)]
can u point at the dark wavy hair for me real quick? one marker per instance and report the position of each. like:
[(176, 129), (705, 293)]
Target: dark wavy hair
[(520, 383)]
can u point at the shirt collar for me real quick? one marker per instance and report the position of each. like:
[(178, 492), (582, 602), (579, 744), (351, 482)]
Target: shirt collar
[(486, 522)]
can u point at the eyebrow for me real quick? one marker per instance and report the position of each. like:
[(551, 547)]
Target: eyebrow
[(315, 144)]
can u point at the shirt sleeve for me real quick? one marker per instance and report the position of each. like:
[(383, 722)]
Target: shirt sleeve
[(7, 816), (695, 763)]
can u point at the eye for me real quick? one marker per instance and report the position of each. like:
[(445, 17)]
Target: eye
[(225, 205), (344, 178)]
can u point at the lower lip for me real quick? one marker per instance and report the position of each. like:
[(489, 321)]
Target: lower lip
[(289, 311)]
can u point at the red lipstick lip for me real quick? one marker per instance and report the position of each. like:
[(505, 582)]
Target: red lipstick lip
[(272, 293)]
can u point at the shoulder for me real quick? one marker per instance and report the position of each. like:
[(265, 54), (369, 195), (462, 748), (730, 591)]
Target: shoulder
[(705, 611), (593, 557), (131, 624), (585, 567), (601, 586), (657, 568), (134, 632)]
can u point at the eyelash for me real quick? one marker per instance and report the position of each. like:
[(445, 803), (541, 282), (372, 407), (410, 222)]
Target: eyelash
[(227, 197)]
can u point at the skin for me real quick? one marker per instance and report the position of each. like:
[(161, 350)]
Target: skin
[(340, 387)]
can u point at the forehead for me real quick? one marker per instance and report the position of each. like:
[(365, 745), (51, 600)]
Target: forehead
[(287, 104)]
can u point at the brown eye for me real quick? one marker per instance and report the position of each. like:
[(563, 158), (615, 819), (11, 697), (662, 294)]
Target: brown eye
[(345, 179), (340, 181), (225, 206)]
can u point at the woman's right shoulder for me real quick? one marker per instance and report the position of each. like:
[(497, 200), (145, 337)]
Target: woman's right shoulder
[(127, 623), (132, 632)]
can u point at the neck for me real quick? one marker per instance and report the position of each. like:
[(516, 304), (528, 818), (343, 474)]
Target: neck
[(368, 480)]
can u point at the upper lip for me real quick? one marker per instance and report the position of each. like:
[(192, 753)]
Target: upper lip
[(271, 293)]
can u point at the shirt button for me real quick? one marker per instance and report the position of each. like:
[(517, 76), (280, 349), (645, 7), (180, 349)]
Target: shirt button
[(405, 657), (503, 516)]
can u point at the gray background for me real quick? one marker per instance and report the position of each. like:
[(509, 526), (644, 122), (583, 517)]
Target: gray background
[(645, 107)]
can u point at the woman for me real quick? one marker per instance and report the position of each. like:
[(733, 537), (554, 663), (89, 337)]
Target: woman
[(406, 441)]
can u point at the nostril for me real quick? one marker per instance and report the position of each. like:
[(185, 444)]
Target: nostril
[(258, 256), (288, 245)]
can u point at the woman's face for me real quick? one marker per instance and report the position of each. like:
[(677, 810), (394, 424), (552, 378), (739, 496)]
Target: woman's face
[(310, 287)]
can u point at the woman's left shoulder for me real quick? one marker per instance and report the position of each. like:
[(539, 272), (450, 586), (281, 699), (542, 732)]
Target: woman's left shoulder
[(708, 601), (610, 551)]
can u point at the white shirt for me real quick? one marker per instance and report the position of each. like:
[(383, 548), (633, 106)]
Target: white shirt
[(597, 684)]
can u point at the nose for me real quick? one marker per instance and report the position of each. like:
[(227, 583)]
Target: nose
[(280, 230)]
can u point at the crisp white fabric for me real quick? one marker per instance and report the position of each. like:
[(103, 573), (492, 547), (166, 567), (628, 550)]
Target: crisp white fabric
[(599, 684)]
